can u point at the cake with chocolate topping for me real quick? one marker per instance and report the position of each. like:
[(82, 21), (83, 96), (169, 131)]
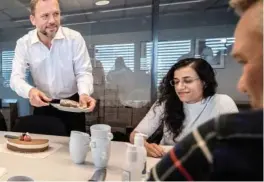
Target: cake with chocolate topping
[(26, 144), (70, 103)]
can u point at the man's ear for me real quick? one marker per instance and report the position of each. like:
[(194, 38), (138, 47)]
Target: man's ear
[(32, 19)]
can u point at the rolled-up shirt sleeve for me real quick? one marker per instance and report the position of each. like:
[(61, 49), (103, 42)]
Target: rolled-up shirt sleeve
[(19, 66), (82, 67)]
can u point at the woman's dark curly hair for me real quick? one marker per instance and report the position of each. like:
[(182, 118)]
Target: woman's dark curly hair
[(173, 115)]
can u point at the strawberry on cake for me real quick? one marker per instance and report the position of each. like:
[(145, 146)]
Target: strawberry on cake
[(26, 144)]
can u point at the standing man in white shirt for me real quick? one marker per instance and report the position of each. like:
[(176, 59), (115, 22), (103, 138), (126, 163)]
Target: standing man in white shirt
[(59, 64)]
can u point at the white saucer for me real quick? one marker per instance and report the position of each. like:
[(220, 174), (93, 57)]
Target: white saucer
[(69, 109)]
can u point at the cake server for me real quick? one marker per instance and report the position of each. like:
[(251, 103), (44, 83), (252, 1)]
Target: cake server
[(11, 136), (99, 175)]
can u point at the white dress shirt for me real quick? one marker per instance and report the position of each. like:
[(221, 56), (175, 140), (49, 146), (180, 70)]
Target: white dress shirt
[(59, 72), (195, 115)]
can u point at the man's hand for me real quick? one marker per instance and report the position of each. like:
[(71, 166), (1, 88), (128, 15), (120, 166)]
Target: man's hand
[(38, 98), (154, 150), (87, 102)]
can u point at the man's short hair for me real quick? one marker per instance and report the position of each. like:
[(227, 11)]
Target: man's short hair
[(241, 6), (33, 4)]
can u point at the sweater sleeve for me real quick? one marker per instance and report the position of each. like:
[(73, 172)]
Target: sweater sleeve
[(150, 123), (227, 105)]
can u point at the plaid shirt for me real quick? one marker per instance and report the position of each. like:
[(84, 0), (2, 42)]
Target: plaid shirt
[(227, 148)]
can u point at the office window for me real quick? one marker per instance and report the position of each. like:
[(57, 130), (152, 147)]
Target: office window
[(107, 54), (7, 58), (168, 53), (214, 50), (219, 44)]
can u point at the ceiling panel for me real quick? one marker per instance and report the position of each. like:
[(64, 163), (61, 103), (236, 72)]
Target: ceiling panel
[(7, 24), (191, 5), (136, 2), (69, 5), (126, 3), (24, 2), (17, 13), (139, 12), (24, 24), (113, 3), (14, 9), (17, 9), (3, 16), (99, 16), (5, 4), (87, 5), (80, 18)]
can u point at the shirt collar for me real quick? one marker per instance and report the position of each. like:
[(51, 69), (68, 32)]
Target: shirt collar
[(35, 38)]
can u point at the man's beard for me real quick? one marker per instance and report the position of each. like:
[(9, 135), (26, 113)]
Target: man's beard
[(48, 35)]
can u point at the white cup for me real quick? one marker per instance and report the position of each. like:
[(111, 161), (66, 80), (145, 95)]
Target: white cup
[(101, 137), (79, 146), (101, 131), (101, 150)]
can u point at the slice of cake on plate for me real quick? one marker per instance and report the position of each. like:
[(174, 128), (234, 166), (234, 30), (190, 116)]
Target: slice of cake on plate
[(26, 144), (70, 103)]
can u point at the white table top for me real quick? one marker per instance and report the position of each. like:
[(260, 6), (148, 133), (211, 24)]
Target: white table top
[(59, 167)]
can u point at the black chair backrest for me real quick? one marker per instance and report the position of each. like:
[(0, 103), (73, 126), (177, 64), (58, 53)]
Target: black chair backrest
[(2, 123), (156, 137), (40, 125)]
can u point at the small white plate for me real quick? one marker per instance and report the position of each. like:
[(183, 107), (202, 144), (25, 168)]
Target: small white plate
[(69, 109)]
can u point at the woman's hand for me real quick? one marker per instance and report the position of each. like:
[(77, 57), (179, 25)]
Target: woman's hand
[(154, 150)]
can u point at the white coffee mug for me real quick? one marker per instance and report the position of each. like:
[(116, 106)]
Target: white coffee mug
[(101, 131), (101, 150), (79, 146)]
